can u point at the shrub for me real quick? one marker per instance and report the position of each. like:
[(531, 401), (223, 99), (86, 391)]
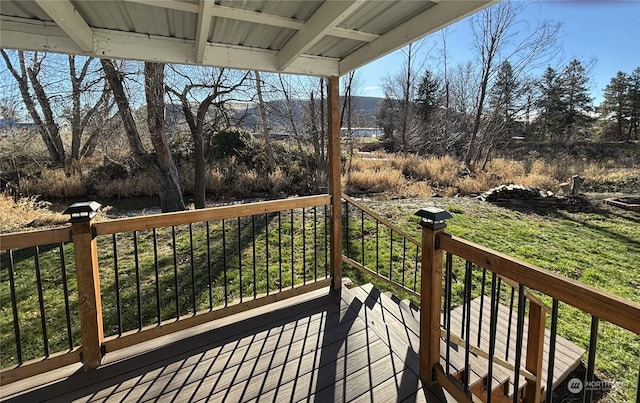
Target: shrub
[(232, 142)]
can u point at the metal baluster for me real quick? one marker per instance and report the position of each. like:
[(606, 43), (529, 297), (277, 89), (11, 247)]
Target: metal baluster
[(279, 251), (193, 270), (65, 289), (156, 269), (591, 362), (253, 243), (209, 274), (43, 319), (552, 349), (466, 328), (292, 253), (404, 256), (240, 257), (117, 283), (266, 248), (362, 236), (326, 244), (224, 263), (176, 293), (315, 244), (14, 308), (391, 255), (136, 259), (378, 247), (304, 247)]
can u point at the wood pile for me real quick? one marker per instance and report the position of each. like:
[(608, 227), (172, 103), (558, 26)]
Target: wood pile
[(530, 197)]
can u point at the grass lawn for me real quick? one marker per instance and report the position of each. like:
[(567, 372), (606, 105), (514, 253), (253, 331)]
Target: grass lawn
[(600, 248)]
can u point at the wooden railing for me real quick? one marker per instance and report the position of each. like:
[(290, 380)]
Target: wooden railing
[(144, 277), (532, 284), (446, 261)]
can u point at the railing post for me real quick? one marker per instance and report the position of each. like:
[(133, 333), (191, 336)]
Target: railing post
[(433, 223), (89, 303), (335, 186), (535, 346)]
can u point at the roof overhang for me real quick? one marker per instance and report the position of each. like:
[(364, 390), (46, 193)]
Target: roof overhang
[(310, 37)]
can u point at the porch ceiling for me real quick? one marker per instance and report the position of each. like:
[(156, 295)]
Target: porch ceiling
[(310, 37)]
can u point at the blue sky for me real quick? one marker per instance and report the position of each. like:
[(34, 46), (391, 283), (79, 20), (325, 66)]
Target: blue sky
[(606, 33)]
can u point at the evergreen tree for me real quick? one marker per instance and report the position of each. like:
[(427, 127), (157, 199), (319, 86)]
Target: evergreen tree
[(634, 104), (615, 105), (551, 105), (576, 97), (504, 94), (427, 96)]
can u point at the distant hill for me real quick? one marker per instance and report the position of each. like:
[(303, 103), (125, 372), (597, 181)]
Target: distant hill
[(365, 109)]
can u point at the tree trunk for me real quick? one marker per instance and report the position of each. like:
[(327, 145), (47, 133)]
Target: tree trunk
[(163, 170), (264, 125)]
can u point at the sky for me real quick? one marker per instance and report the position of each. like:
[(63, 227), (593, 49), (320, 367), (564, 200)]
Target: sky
[(604, 35)]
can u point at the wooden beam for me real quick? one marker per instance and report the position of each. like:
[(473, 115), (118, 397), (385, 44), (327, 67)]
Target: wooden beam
[(335, 182), (430, 20), (205, 14), (67, 18), (330, 14)]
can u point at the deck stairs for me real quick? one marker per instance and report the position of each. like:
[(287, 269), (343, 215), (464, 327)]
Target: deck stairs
[(397, 322)]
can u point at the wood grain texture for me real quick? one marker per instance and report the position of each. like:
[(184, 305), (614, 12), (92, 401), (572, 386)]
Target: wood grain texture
[(209, 214), (27, 239)]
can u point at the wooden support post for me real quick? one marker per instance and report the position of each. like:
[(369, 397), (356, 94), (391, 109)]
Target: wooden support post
[(535, 346), (335, 183), (89, 303), (431, 291)]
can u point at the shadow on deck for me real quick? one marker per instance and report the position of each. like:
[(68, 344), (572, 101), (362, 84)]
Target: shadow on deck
[(318, 346)]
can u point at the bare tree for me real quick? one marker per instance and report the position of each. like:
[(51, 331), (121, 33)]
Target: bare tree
[(160, 164), (42, 113), (204, 91), (495, 32), (84, 103)]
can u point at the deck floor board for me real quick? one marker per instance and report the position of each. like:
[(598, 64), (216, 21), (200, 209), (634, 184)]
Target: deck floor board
[(315, 346)]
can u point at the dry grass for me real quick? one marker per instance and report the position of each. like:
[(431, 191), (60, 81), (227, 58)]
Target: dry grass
[(26, 212), (55, 183), (412, 175)]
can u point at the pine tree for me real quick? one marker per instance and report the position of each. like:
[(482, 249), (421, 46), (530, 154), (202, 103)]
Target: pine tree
[(575, 94), (634, 104), (551, 105), (615, 105), (427, 96)]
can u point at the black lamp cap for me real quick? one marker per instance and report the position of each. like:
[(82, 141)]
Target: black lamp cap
[(433, 217), (82, 211)]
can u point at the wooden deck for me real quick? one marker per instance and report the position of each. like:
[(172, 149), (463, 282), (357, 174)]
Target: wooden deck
[(317, 346)]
